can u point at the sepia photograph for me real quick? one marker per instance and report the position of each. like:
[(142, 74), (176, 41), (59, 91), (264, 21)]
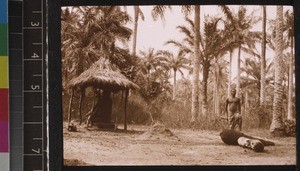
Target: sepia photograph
[(190, 85)]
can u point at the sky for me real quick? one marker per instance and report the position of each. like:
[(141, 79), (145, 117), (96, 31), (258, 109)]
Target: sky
[(153, 34)]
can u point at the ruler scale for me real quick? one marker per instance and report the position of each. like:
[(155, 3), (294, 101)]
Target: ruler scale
[(27, 76), (34, 101), (16, 85)]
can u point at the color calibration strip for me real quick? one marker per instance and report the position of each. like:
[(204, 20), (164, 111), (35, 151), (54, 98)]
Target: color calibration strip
[(4, 99)]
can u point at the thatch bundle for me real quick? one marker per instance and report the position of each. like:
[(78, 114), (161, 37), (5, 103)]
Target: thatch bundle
[(103, 74)]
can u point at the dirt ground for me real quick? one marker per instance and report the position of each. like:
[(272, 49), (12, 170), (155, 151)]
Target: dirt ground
[(139, 146)]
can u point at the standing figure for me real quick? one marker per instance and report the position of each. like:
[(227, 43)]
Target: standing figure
[(233, 111)]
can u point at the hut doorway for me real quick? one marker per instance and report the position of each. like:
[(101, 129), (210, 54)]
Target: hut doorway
[(102, 115)]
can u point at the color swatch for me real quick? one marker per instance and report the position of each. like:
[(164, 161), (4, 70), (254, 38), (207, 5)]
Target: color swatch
[(4, 85)]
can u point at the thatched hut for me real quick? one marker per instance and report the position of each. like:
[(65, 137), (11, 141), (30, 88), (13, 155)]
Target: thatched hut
[(107, 77)]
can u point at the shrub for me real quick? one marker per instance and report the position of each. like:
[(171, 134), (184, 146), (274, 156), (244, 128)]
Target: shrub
[(290, 127)]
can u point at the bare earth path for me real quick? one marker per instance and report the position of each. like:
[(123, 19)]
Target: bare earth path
[(90, 147)]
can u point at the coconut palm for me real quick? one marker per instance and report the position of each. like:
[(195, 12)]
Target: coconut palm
[(196, 65), (289, 29), (175, 63), (219, 79), (288, 42), (263, 59), (277, 127), (211, 43), (93, 36), (184, 92), (149, 61), (241, 36), (196, 52), (149, 72), (159, 11), (137, 14), (252, 70)]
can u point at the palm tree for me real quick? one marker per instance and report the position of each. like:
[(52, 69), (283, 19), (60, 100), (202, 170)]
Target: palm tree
[(149, 61), (148, 71), (196, 66), (277, 127), (289, 28), (159, 11), (196, 58), (242, 37), (212, 48), (176, 63), (263, 59), (137, 13), (93, 36), (184, 92), (219, 65), (252, 70)]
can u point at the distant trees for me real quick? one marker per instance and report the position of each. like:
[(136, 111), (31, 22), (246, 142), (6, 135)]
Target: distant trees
[(149, 73), (240, 35), (137, 14), (289, 29), (90, 33), (263, 58), (176, 63)]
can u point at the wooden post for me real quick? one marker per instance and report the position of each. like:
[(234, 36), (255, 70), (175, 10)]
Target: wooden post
[(82, 94), (70, 106), (125, 116)]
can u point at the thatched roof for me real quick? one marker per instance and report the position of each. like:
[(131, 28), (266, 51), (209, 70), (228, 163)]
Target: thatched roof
[(103, 74)]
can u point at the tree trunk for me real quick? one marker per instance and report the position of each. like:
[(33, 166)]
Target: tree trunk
[(238, 77), (216, 89), (246, 101), (196, 65), (290, 115), (204, 89), (229, 74), (136, 18), (174, 86), (277, 127), (70, 107), (263, 61), (217, 100)]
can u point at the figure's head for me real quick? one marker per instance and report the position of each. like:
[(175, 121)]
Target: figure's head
[(233, 92)]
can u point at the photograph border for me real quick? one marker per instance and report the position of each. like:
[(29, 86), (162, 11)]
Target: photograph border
[(55, 127)]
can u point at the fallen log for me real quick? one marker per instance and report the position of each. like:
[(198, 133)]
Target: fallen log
[(232, 137)]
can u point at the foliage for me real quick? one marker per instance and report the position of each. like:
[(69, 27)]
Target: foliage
[(150, 75), (90, 33), (290, 127)]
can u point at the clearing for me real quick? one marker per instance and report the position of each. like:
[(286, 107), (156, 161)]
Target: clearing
[(143, 145)]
